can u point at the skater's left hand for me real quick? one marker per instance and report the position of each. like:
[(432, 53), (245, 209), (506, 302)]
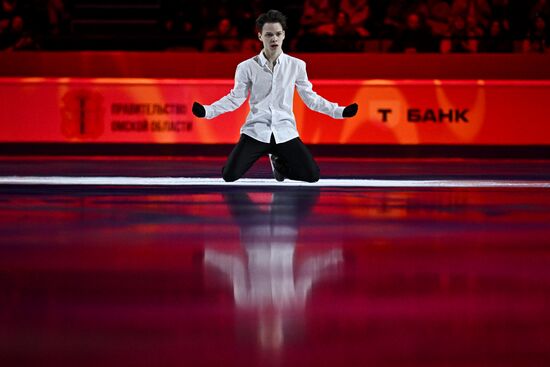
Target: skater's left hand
[(351, 110)]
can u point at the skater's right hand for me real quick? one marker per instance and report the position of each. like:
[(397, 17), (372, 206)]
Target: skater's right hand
[(198, 110)]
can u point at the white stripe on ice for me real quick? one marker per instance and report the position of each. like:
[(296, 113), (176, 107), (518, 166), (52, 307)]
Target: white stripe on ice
[(199, 181)]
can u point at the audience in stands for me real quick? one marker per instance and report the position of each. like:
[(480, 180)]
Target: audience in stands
[(10, 8), (358, 15), (180, 24), (415, 37), (316, 25), (501, 10), (466, 26), (15, 32), (537, 38), (318, 16), (24, 24), (498, 38), (344, 36), (476, 12), (58, 17), (540, 8), (438, 18), (223, 38), (460, 38), (18, 36)]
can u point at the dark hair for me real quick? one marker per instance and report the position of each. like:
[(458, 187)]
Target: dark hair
[(272, 16)]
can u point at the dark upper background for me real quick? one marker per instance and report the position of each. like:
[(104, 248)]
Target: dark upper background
[(392, 26)]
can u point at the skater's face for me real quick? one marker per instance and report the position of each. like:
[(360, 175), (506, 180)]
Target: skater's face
[(272, 37)]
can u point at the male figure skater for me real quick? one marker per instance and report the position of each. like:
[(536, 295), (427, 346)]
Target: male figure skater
[(270, 127)]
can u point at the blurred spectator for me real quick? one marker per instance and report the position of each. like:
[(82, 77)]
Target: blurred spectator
[(464, 35), (344, 36), (180, 24), (251, 45), (245, 20), (316, 26), (180, 17), (438, 18), (10, 8), (537, 38), (501, 10), (478, 10), (317, 17), (377, 11), (358, 14), (474, 27), (59, 18), (223, 38), (246, 13), (498, 39), (538, 28), (519, 18), (4, 33), (14, 31), (540, 8), (416, 37), (211, 11), (18, 37), (459, 39), (393, 19), (421, 8)]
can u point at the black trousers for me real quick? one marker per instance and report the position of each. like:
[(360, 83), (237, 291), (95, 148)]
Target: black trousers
[(294, 159)]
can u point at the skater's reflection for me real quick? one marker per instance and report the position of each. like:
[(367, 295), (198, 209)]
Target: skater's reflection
[(268, 277)]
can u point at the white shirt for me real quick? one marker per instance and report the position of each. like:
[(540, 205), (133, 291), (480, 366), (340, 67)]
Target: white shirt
[(271, 97)]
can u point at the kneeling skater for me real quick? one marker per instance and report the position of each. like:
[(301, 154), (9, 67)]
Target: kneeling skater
[(270, 127)]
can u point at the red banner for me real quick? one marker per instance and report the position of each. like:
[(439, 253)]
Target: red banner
[(159, 111)]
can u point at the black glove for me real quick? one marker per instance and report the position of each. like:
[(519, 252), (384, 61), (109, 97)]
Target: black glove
[(350, 110), (198, 110)]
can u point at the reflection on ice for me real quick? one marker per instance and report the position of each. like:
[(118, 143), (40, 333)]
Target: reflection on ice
[(268, 277)]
